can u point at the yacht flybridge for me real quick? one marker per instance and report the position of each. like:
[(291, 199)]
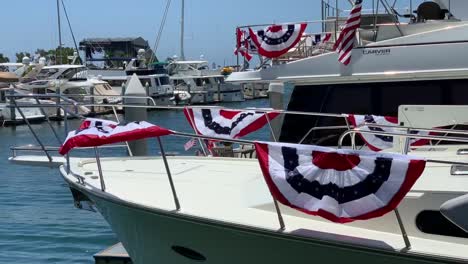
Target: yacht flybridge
[(391, 45), (400, 56)]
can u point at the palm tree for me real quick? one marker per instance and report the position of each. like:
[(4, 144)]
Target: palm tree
[(3, 58)]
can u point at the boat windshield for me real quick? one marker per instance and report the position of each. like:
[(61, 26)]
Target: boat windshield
[(47, 73), (74, 73), (164, 80)]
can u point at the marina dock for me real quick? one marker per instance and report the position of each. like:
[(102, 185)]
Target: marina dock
[(115, 254)]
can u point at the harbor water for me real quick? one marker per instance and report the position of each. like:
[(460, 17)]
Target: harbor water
[(38, 222)]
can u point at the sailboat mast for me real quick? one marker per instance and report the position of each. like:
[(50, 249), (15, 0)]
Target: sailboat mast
[(58, 55), (182, 55)]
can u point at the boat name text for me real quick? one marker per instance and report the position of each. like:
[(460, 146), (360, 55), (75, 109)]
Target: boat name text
[(377, 52)]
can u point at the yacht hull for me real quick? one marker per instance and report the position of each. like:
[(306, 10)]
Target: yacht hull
[(201, 97), (229, 96), (152, 235), (163, 100)]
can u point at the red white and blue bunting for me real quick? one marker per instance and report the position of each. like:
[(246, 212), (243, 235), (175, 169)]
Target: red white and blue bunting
[(225, 123), (98, 132), (277, 40), (381, 142), (339, 185)]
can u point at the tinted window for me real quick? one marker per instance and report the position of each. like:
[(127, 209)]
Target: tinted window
[(164, 80), (46, 73), (433, 222), (198, 82), (371, 98)]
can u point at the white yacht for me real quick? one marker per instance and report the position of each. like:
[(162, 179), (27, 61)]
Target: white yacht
[(155, 79), (204, 85), (9, 114), (420, 61), (221, 210), (73, 82)]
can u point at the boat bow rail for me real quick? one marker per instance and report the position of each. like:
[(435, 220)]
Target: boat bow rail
[(405, 133), (178, 205)]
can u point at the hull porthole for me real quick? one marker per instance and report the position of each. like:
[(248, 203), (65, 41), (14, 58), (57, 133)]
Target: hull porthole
[(189, 253)]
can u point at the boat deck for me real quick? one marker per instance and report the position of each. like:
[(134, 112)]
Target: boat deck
[(234, 191)]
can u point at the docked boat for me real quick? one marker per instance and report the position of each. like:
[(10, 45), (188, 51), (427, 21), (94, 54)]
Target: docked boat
[(11, 100), (404, 58), (72, 81), (155, 79), (205, 209), (195, 83), (203, 85), (9, 115), (299, 202)]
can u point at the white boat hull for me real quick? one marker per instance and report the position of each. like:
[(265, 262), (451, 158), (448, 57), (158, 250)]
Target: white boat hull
[(201, 97), (153, 236), (229, 93)]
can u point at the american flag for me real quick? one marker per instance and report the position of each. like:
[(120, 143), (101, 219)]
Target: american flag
[(345, 42), (242, 46), (190, 144)]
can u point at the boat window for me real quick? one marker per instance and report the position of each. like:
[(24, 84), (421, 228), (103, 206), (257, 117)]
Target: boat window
[(157, 82), (164, 80), (179, 82), (116, 83), (220, 79), (103, 86), (203, 67), (145, 81), (364, 98), (75, 91), (433, 222), (198, 81), (67, 74), (46, 73), (73, 73), (206, 81)]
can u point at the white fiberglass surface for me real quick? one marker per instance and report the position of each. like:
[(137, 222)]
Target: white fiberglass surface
[(228, 190)]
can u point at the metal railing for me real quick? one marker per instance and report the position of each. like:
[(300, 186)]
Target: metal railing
[(277, 208), (408, 133), (332, 16)]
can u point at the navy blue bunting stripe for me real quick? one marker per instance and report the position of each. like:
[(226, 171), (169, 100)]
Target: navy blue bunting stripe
[(370, 185)]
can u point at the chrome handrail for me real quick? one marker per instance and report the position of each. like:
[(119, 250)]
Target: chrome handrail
[(351, 131), (404, 135)]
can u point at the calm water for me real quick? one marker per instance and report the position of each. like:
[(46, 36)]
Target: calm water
[(38, 222)]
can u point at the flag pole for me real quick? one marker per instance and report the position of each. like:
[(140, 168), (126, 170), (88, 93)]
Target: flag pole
[(275, 202), (192, 124)]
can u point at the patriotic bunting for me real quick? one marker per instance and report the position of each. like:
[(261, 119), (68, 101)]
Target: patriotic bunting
[(339, 185), (97, 132), (381, 142), (322, 39), (345, 42), (277, 40), (224, 123)]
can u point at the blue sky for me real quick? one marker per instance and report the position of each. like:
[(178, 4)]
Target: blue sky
[(210, 24)]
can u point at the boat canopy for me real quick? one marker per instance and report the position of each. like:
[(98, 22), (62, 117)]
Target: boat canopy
[(8, 77)]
